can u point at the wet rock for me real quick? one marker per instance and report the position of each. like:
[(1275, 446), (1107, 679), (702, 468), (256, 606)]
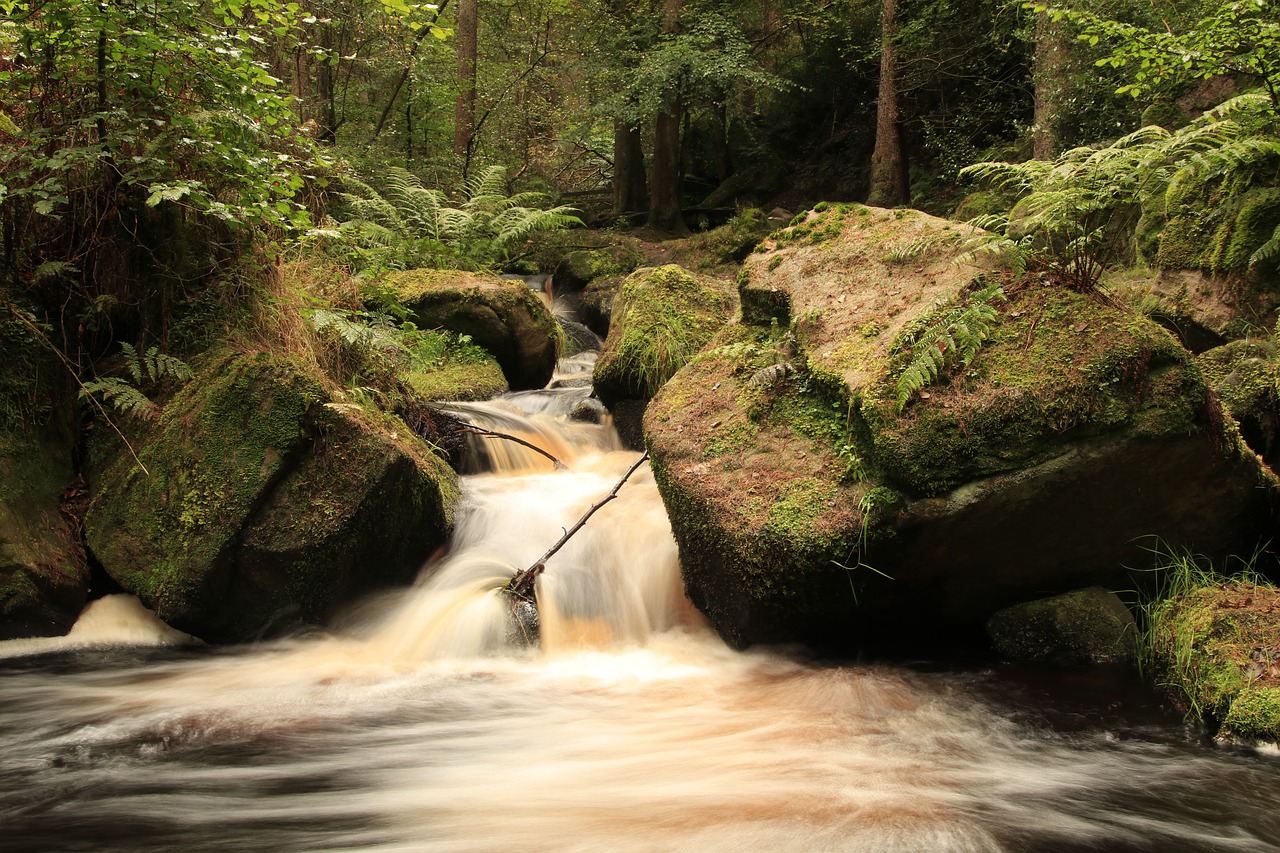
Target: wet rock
[(264, 507), (503, 316), (590, 411), (1088, 626), (840, 501), (1246, 377)]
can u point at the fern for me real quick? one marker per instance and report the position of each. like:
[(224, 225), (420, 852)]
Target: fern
[(149, 369), (123, 397), (487, 226), (952, 335)]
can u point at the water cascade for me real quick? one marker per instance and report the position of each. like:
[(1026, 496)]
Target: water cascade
[(418, 724)]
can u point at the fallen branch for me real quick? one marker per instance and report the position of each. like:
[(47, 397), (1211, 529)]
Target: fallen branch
[(521, 590), (491, 434)]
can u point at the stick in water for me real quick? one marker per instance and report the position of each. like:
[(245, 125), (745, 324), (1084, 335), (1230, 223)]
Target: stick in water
[(521, 586), (491, 434)]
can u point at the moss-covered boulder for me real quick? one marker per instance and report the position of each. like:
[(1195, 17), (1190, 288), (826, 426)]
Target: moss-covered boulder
[(503, 316), (1246, 377), (662, 317), (832, 472), (581, 267), (1216, 652), (44, 578), (263, 504), (1087, 626)]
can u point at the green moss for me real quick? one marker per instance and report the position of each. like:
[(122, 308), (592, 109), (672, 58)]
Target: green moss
[(1086, 626), (1255, 714), (797, 514), (1059, 366), (661, 319)]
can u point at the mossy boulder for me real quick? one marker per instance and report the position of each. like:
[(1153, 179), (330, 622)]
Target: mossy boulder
[(501, 315), (1246, 377), (816, 496), (1216, 652), (263, 505), (662, 316), (581, 267), (44, 578), (1087, 626)]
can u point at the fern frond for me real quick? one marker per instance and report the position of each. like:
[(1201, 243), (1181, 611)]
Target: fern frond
[(952, 336), (1268, 252), (132, 363), (122, 396), (160, 366)]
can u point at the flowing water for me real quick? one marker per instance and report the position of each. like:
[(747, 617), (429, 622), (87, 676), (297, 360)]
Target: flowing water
[(415, 725)]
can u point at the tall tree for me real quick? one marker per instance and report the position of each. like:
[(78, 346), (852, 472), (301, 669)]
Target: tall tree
[(889, 186), (464, 117), (664, 178), (1051, 73)]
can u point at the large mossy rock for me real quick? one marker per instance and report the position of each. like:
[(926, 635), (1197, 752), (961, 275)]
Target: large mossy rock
[(1216, 651), (503, 316), (662, 316), (814, 498), (262, 506), (44, 578)]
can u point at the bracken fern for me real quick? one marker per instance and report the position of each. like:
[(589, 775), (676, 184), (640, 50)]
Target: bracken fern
[(947, 336)]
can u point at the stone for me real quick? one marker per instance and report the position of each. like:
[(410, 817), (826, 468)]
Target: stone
[(1087, 626)]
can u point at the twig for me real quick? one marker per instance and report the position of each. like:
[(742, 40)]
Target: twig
[(521, 586), (491, 434)]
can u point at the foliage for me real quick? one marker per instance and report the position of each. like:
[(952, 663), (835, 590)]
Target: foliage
[(148, 371), (1235, 38), (488, 228), (1076, 216), (949, 335)]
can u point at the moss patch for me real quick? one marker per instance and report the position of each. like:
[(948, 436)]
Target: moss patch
[(1217, 651), (1082, 627), (662, 317)]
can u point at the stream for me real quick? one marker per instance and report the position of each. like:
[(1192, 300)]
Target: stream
[(415, 724)]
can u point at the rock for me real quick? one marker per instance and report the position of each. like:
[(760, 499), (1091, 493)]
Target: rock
[(579, 337), (44, 577), (1246, 377), (1088, 626), (264, 506), (595, 304), (505, 317), (580, 268), (1216, 653), (833, 501), (662, 317)]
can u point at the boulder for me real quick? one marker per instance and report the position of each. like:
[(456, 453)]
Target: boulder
[(503, 316), (1246, 377), (263, 505), (44, 577), (1087, 626), (662, 317), (833, 474), (1215, 649)]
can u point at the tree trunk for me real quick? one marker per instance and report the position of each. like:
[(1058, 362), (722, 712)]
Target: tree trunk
[(889, 186), (1051, 72), (664, 178), (629, 189), (465, 114)]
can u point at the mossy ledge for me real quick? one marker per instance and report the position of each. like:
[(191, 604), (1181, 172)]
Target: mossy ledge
[(263, 507)]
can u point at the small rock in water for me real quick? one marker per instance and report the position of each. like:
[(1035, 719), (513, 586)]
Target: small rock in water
[(524, 627)]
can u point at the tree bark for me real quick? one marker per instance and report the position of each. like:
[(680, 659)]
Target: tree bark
[(664, 178), (889, 187), (1050, 76), (630, 192), (464, 118)]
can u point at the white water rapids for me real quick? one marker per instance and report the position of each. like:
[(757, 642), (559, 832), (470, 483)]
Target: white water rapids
[(413, 726)]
